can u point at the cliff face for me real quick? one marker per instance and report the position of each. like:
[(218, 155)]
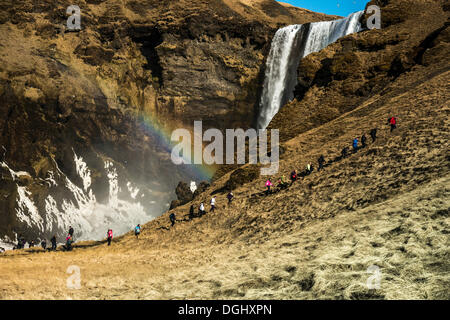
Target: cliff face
[(98, 97)]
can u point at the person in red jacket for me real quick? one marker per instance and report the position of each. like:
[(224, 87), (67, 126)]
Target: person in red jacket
[(393, 122), (110, 236)]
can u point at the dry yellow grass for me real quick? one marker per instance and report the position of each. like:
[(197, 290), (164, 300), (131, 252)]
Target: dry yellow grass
[(324, 259), (387, 205)]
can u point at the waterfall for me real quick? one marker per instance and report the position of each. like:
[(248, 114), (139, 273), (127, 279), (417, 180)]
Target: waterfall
[(289, 45), (281, 72)]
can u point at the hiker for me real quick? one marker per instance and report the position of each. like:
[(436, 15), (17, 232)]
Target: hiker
[(213, 204), (308, 169), (20, 243), (110, 236), (31, 244), (53, 241), (172, 218), (71, 232), (201, 209), (321, 161), (293, 176), (230, 197), (137, 231), (191, 212), (355, 144), (344, 152), (373, 134), (44, 244), (282, 184), (69, 242), (393, 122), (363, 141), (268, 185)]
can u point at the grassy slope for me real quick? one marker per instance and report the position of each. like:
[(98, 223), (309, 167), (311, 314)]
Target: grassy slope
[(386, 205)]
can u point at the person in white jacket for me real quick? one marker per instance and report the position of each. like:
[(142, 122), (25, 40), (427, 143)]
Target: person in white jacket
[(213, 204), (201, 209)]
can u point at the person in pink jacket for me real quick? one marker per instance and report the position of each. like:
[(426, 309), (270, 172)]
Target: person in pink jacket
[(268, 185), (110, 236)]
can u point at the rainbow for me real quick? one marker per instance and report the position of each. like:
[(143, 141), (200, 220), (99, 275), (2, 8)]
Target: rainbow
[(151, 125)]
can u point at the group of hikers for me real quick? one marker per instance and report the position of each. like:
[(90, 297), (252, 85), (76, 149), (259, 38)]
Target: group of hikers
[(21, 242), (282, 184), (68, 246), (201, 209)]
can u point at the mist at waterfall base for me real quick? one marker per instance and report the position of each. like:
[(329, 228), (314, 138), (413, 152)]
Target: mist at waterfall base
[(289, 45), (73, 203), (79, 207)]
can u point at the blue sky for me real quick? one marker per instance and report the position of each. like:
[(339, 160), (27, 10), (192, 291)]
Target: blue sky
[(335, 7)]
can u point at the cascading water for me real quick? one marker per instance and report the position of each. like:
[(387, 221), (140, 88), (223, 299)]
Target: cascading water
[(281, 72), (289, 45)]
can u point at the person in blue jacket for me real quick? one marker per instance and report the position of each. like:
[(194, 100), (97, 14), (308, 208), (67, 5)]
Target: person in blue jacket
[(355, 144), (137, 231)]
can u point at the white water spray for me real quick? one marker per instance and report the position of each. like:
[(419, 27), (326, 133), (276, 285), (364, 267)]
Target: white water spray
[(89, 218)]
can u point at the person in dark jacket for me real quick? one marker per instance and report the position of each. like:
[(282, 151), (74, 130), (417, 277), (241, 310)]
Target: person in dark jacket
[(172, 218), (53, 241), (373, 134), (191, 212), (363, 141), (71, 232), (44, 244), (20, 243), (293, 176), (230, 197), (321, 161), (344, 152)]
